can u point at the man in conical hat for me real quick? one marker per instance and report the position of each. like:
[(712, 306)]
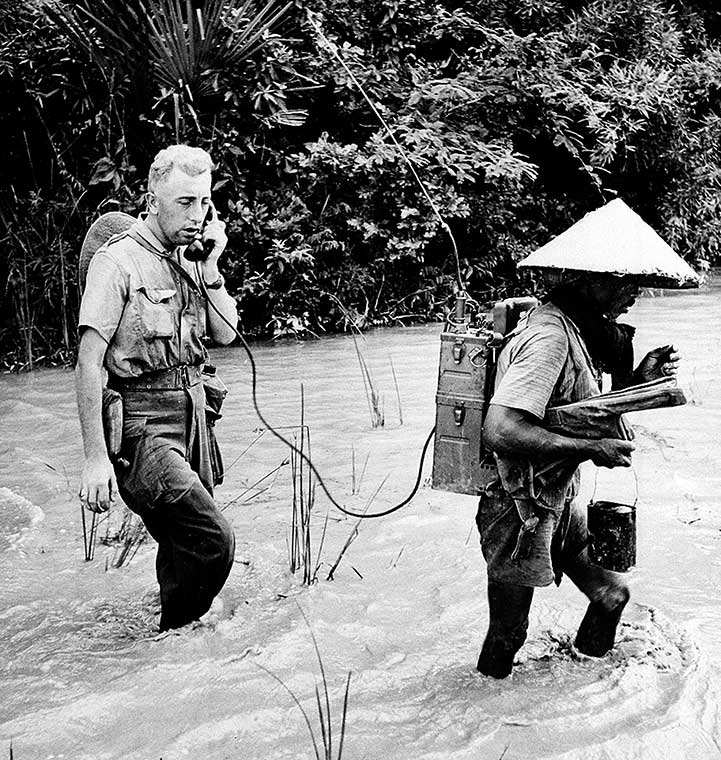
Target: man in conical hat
[(532, 530)]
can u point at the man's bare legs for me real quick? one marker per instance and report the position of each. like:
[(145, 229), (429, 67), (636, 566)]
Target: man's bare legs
[(508, 608), (607, 594)]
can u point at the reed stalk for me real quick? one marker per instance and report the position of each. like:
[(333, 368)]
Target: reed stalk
[(363, 472), (89, 537), (352, 469), (354, 532), (373, 395), (245, 450), (323, 749), (131, 536), (357, 480), (303, 482), (394, 562), (303, 499), (294, 541), (271, 473), (398, 393)]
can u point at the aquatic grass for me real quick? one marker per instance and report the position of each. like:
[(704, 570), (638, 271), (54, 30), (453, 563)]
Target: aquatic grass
[(352, 469), (303, 482), (130, 537), (471, 529), (254, 487), (354, 533), (63, 474), (322, 704), (356, 484), (393, 564), (255, 440), (398, 393), (373, 395), (89, 537)]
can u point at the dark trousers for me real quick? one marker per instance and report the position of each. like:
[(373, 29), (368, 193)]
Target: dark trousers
[(168, 483)]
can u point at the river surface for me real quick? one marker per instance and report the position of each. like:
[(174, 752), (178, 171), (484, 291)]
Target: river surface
[(84, 675)]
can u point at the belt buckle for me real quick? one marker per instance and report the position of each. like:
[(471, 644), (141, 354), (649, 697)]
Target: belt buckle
[(184, 376)]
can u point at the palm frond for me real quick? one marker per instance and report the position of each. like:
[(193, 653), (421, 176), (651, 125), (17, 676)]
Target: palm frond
[(185, 48)]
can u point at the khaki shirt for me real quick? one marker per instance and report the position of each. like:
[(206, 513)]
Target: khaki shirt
[(545, 364), (150, 317)]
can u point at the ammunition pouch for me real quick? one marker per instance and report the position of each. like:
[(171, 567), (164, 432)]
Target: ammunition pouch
[(215, 393), (112, 414)]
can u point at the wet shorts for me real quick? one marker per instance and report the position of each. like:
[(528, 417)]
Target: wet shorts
[(556, 540)]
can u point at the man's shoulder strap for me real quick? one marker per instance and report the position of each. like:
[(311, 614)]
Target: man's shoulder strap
[(116, 238), (576, 345), (549, 314), (141, 241)]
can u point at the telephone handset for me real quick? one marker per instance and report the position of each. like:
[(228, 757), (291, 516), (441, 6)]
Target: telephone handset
[(199, 249)]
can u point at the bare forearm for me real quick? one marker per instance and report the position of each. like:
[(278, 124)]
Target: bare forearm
[(89, 390), (98, 484), (512, 431), (219, 329), (514, 434)]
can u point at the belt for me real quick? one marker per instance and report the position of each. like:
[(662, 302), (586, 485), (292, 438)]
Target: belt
[(173, 378)]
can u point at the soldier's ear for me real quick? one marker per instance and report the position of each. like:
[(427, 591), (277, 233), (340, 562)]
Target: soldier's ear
[(151, 200)]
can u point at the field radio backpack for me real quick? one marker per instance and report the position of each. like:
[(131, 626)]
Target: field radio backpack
[(466, 376)]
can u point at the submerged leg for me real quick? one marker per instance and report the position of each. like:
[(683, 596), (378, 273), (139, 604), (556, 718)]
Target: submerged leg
[(508, 607), (200, 546), (608, 596), (195, 544)]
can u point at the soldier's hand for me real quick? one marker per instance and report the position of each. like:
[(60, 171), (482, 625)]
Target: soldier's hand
[(612, 452), (98, 486), (214, 231), (661, 362)]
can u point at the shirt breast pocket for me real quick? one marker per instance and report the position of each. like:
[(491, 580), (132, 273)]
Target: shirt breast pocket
[(155, 312)]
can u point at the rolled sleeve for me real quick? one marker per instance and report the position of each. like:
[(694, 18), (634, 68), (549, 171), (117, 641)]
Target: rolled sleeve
[(104, 297), (535, 361)]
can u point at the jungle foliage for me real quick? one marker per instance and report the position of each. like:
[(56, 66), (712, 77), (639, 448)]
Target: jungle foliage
[(519, 116)]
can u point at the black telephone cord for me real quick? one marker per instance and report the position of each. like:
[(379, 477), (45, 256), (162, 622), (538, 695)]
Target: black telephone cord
[(291, 445)]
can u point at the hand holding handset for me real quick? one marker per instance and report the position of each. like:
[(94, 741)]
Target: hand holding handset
[(199, 249)]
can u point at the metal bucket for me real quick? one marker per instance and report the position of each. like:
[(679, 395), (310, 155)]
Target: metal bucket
[(612, 535)]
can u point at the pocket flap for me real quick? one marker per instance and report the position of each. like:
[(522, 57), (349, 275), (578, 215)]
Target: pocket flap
[(157, 295)]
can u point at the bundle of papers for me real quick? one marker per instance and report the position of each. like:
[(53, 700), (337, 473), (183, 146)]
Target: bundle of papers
[(600, 416)]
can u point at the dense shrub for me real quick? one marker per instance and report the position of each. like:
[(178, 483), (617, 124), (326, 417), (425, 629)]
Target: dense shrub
[(517, 116)]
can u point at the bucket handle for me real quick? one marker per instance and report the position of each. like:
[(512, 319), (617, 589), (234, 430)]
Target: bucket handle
[(635, 482)]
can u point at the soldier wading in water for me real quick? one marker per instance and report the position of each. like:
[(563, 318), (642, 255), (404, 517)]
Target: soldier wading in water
[(144, 319)]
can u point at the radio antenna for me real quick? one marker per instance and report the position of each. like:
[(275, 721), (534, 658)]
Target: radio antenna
[(334, 51)]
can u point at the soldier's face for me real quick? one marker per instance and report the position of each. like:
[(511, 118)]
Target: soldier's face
[(180, 204), (615, 296)]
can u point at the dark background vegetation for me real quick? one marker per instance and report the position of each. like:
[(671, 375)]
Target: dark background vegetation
[(519, 116)]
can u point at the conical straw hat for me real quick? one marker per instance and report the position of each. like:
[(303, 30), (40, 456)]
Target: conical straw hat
[(615, 240), (99, 232)]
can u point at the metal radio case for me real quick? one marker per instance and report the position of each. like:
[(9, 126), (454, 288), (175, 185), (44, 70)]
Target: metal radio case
[(460, 463)]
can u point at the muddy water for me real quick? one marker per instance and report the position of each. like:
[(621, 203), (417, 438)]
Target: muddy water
[(82, 674)]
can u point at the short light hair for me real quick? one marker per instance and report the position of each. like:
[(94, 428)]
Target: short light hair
[(192, 161)]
